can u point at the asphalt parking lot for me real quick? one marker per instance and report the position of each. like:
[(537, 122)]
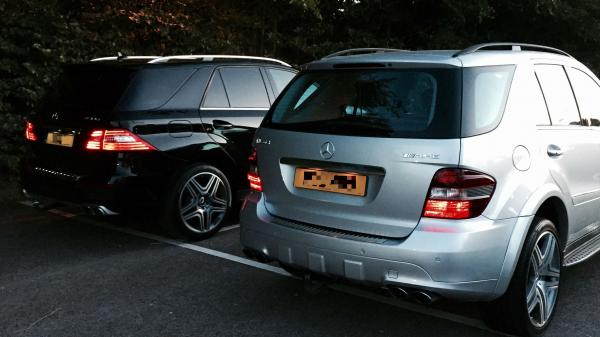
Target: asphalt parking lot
[(67, 274)]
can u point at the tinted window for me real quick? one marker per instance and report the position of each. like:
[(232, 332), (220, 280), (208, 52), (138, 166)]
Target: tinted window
[(153, 87), (558, 94), (417, 103), (484, 97), (587, 93), (82, 89), (245, 87), (280, 78), (215, 95)]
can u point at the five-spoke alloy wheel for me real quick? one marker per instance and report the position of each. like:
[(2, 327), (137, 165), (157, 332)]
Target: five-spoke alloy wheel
[(543, 279), (198, 203), (203, 202), (529, 303)]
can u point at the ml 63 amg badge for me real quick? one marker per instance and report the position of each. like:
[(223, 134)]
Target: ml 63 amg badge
[(421, 156)]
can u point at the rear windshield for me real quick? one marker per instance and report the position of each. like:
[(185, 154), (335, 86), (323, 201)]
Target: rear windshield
[(86, 88), (399, 103)]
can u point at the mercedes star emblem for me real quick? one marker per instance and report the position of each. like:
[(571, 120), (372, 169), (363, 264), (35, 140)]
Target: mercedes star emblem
[(327, 150)]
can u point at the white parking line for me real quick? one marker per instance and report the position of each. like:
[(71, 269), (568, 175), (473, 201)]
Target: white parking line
[(228, 228), (421, 309), (189, 246)]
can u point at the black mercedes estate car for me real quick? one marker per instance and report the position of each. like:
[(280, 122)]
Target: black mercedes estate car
[(171, 134)]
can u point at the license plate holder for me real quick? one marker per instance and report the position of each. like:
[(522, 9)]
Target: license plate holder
[(60, 139), (348, 183)]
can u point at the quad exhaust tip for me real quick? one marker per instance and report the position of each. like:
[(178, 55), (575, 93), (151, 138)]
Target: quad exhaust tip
[(419, 296), (425, 297), (313, 283)]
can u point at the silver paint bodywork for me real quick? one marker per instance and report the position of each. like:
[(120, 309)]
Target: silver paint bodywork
[(471, 259)]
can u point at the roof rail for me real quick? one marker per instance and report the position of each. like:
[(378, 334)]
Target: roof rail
[(166, 59), (123, 58), (357, 51), (512, 46)]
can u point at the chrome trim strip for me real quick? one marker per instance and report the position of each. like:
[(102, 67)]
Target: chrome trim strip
[(236, 109)]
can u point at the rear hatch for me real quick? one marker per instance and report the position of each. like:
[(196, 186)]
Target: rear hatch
[(356, 150), (82, 100)]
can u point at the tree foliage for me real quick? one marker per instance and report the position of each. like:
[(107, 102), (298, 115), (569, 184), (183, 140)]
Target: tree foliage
[(38, 36)]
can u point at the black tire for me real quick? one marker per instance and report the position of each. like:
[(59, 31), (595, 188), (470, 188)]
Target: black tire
[(510, 313), (178, 192)]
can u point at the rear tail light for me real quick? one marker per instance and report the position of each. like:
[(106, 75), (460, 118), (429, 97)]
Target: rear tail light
[(116, 140), (458, 194), (253, 176), (30, 132)]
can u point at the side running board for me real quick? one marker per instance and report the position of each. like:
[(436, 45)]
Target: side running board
[(583, 252)]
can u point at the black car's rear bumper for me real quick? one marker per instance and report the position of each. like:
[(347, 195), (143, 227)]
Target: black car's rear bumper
[(105, 196)]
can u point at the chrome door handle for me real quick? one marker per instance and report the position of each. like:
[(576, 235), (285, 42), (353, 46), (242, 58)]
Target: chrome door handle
[(554, 151), (221, 125)]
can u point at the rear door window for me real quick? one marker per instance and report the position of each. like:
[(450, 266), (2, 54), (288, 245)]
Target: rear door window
[(587, 93), (414, 103), (558, 94), (280, 78), (245, 87), (216, 97)]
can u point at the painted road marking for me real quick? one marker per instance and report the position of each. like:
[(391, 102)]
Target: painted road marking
[(189, 246), (405, 305), (338, 287), (228, 228)]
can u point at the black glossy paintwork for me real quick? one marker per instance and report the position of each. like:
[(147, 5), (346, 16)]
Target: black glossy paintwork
[(182, 133)]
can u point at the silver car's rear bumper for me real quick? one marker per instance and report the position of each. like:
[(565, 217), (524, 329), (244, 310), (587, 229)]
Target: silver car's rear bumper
[(456, 259)]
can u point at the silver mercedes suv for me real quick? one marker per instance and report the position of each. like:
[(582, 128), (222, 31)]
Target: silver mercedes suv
[(472, 175)]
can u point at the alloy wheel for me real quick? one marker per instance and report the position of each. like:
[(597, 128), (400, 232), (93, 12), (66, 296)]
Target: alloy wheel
[(543, 279), (203, 202)]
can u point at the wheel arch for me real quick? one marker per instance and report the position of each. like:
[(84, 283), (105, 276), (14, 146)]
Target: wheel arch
[(214, 156), (549, 202), (555, 210), (544, 202)]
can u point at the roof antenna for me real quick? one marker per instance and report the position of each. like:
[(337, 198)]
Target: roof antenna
[(121, 56)]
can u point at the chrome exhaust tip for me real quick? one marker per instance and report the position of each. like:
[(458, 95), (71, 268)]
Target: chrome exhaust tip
[(424, 297), (397, 292), (105, 211), (99, 210)]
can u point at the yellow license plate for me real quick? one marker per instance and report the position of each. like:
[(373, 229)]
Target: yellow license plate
[(335, 182), (56, 138)]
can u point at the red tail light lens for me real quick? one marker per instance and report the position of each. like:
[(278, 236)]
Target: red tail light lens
[(30, 132), (255, 182), (458, 194), (116, 140), (253, 176)]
